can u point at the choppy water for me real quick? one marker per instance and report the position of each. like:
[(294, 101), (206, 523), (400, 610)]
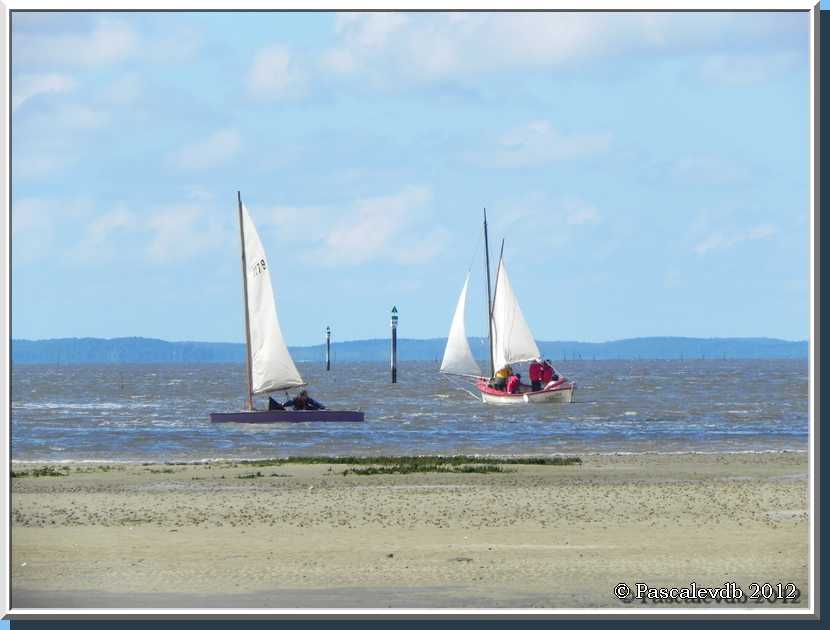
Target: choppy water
[(160, 412)]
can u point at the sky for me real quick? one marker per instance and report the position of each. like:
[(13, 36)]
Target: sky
[(649, 172)]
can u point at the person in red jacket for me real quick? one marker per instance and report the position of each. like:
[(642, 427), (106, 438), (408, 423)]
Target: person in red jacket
[(547, 373), (513, 384), (535, 374)]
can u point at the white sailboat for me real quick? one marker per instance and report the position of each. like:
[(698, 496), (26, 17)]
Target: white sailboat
[(511, 342), (458, 358), (270, 367)]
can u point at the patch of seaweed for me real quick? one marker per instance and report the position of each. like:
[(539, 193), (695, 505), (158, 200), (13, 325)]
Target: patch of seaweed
[(399, 460), (427, 467), (43, 471)]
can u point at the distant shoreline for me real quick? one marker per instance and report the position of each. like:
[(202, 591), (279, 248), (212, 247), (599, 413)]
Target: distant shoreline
[(384, 362), (145, 350)]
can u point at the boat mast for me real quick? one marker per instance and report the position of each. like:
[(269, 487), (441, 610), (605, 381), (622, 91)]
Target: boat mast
[(498, 272), (247, 317), (489, 297)]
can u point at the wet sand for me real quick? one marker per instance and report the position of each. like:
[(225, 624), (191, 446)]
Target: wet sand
[(306, 536)]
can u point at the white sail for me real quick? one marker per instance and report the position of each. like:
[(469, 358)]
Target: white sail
[(512, 339), (458, 358), (271, 365)]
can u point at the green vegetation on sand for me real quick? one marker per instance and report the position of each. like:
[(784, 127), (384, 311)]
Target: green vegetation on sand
[(416, 460)]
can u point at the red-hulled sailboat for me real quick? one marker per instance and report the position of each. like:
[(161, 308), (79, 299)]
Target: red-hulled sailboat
[(510, 340)]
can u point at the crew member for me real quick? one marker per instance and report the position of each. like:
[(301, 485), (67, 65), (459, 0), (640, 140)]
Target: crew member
[(535, 374), (500, 379), (304, 402), (547, 373)]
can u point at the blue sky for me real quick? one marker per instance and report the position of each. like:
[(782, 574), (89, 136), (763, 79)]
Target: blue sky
[(649, 172)]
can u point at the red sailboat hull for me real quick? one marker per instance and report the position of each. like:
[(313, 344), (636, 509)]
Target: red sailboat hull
[(561, 392)]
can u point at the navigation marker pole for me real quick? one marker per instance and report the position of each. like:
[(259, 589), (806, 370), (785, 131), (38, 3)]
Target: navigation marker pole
[(394, 344), (328, 348)]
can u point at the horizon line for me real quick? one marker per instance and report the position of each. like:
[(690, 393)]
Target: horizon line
[(322, 343)]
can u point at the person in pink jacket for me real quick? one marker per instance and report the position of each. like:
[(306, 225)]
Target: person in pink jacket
[(513, 384)]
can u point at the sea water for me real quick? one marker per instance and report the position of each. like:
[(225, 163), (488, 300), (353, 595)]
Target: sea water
[(160, 412)]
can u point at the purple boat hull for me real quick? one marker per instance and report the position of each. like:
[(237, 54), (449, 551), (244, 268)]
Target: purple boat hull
[(322, 415)]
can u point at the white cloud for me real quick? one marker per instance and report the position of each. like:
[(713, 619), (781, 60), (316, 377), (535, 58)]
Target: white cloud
[(444, 46), (39, 225), (276, 74), (179, 46), (109, 41), (390, 228), (374, 229), (441, 46), (78, 116), (72, 230), (423, 250), (180, 232), (27, 86), (537, 143), (99, 232), (579, 212), (207, 153), (33, 227), (123, 90), (369, 30), (101, 227), (290, 222), (709, 169), (52, 123), (40, 163), (338, 61), (726, 239), (361, 35), (200, 194), (88, 41), (541, 222), (745, 68)]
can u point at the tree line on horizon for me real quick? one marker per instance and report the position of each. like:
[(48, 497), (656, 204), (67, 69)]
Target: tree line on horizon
[(144, 350)]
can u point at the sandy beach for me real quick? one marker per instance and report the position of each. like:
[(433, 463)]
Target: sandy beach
[(308, 536)]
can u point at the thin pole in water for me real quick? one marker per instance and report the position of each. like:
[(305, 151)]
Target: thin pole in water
[(394, 324), (328, 348), (489, 295), (247, 317)]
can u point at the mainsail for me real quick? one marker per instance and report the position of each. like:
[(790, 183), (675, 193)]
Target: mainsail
[(458, 359), (271, 365), (512, 339)]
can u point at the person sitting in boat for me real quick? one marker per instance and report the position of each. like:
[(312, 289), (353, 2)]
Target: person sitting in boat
[(500, 379), (304, 402), (273, 405), (534, 372), (552, 376), (547, 374), (514, 382)]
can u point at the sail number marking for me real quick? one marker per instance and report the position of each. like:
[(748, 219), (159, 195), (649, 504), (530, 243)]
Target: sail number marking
[(258, 267)]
